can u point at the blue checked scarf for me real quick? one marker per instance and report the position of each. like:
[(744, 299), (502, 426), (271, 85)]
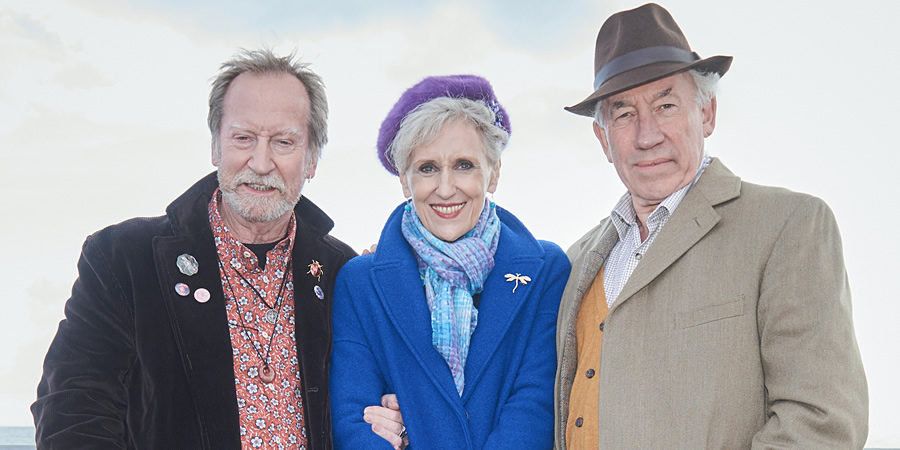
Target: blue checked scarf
[(452, 272)]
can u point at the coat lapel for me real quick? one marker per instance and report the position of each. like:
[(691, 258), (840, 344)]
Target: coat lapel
[(201, 330), (395, 276), (585, 266), (692, 220), (584, 271), (400, 290), (593, 259), (499, 305)]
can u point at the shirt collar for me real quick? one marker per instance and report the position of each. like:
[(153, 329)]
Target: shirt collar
[(238, 255), (624, 216)]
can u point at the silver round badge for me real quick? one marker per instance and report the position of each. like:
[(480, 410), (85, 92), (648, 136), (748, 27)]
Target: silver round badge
[(272, 316), (319, 292), (187, 264)]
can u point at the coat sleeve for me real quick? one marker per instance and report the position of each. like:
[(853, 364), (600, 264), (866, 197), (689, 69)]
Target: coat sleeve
[(816, 387), (355, 379), (81, 398), (526, 418)]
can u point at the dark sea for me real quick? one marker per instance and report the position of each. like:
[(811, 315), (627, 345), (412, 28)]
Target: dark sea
[(16, 438)]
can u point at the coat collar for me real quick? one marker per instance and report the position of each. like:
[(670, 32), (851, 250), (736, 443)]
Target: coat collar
[(396, 279)]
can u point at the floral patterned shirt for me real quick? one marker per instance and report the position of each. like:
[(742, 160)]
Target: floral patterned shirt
[(271, 413)]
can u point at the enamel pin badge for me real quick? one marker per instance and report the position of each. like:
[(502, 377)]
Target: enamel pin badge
[(182, 289), (518, 278), (201, 295)]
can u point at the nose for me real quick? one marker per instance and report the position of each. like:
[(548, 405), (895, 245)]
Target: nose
[(446, 184), (649, 134), (261, 157)]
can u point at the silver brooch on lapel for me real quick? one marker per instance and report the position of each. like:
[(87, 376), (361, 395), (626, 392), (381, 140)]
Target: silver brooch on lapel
[(187, 264), (518, 278)]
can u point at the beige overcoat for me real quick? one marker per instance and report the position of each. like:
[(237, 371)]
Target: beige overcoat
[(734, 331)]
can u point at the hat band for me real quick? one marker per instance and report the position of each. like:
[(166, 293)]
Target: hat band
[(642, 57)]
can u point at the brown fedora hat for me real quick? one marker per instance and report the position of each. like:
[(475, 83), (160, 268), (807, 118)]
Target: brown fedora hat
[(637, 47)]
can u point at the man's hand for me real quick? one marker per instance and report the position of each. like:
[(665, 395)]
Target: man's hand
[(387, 421)]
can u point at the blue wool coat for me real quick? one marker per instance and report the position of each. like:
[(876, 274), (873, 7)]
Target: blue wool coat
[(382, 344)]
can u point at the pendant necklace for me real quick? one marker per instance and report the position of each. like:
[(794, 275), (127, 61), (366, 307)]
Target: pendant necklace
[(272, 314), (267, 374)]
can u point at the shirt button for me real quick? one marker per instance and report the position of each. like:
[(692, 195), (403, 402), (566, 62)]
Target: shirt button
[(637, 256), (578, 422), (589, 373)]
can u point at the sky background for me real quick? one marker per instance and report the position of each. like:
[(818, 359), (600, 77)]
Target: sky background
[(103, 117)]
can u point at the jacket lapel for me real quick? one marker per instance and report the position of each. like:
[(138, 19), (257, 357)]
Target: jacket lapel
[(201, 331), (312, 315), (400, 290), (692, 220), (499, 305), (585, 267), (395, 276), (591, 261)]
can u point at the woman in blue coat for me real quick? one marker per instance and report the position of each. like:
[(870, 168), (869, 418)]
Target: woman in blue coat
[(455, 312)]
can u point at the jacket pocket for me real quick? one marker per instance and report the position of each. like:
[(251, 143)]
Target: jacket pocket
[(708, 314)]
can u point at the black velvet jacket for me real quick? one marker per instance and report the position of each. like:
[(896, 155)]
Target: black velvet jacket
[(135, 365)]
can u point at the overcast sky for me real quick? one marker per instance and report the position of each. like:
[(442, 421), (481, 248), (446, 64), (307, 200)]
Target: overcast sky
[(103, 117)]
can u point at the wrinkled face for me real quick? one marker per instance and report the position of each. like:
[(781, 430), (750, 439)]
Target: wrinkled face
[(262, 159), (448, 180), (653, 135)]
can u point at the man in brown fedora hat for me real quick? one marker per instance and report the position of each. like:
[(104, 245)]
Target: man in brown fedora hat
[(723, 307)]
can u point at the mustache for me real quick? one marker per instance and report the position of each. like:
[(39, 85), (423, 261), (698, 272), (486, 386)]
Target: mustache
[(248, 176)]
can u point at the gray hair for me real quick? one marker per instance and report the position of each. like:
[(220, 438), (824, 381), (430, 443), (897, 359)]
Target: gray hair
[(707, 84), (423, 124), (261, 62)]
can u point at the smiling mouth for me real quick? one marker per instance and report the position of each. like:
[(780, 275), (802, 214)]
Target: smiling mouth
[(448, 211), (260, 187)]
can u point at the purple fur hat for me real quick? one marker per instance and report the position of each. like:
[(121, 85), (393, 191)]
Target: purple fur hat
[(455, 86)]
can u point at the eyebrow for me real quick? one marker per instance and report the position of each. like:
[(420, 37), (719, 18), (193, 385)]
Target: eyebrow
[(622, 103), (239, 127), (288, 132)]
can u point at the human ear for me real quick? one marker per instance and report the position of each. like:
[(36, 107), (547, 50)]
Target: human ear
[(709, 117), (404, 183), (600, 132), (495, 178), (215, 156), (311, 170)]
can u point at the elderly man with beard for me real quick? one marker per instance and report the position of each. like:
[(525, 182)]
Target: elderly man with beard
[(210, 327)]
